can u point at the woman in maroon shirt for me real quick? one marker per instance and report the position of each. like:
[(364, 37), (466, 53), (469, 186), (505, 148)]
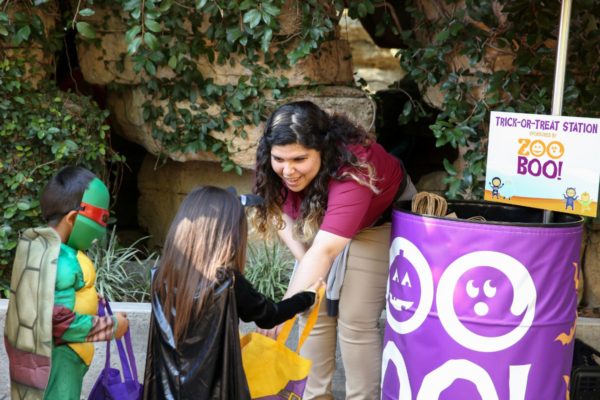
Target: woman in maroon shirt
[(326, 184)]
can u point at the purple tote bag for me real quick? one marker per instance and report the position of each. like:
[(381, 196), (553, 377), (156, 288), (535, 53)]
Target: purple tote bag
[(109, 384)]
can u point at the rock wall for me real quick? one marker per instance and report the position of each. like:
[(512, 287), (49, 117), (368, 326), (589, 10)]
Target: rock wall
[(591, 267), (379, 67), (38, 59), (163, 184)]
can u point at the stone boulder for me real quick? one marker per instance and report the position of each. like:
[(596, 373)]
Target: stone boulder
[(591, 269), (39, 59), (107, 62), (126, 109), (163, 184)]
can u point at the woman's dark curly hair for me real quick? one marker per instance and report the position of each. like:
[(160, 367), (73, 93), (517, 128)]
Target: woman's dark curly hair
[(306, 124)]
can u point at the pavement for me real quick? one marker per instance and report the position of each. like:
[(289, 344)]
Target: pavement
[(588, 330), (139, 320)]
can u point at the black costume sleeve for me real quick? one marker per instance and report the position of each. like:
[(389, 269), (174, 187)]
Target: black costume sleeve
[(254, 306)]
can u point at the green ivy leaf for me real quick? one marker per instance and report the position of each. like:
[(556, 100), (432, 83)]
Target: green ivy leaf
[(87, 12), (266, 40), (270, 9), (151, 41), (252, 18), (442, 36), (233, 34), (86, 30), (134, 45), (24, 205), (153, 25), (246, 4), (172, 62), (150, 67), (132, 33), (22, 35)]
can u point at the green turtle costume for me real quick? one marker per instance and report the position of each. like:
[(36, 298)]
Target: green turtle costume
[(51, 321)]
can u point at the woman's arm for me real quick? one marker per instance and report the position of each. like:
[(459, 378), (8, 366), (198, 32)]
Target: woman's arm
[(316, 262), (297, 248)]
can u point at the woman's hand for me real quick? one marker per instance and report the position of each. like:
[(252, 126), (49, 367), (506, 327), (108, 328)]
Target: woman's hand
[(316, 286)]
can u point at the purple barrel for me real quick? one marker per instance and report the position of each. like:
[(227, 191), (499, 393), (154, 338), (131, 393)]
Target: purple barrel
[(481, 309)]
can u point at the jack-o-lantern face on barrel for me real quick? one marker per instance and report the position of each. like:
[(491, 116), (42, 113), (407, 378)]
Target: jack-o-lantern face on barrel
[(405, 289), (410, 287)]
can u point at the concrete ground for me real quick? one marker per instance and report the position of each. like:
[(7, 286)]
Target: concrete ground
[(588, 329), (139, 317)]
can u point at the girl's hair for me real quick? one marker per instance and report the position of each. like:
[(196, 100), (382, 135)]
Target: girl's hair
[(306, 124), (208, 232), (63, 193)]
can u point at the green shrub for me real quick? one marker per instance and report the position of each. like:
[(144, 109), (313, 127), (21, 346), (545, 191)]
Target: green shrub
[(472, 33), (41, 131), (121, 274), (269, 267)]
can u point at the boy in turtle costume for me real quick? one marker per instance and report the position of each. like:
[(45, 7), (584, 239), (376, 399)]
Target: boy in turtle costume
[(51, 320)]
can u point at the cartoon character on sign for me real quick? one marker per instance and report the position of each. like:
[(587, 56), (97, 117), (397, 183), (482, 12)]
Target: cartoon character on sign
[(585, 202), (556, 150), (538, 148), (496, 184), (570, 197)]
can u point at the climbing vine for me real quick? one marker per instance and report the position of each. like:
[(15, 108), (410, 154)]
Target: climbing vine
[(460, 53), (41, 127), (170, 38), (166, 40)]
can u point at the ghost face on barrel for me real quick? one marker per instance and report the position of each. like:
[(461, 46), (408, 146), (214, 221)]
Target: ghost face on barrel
[(484, 295), (483, 289)]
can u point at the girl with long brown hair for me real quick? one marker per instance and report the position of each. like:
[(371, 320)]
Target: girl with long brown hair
[(198, 292)]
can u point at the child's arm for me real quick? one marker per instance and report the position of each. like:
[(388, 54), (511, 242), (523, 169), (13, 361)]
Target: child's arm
[(254, 306), (71, 327)]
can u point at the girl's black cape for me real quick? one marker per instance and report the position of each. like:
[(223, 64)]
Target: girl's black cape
[(208, 363)]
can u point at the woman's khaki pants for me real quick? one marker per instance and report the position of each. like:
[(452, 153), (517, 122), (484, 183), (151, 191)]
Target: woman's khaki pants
[(362, 299)]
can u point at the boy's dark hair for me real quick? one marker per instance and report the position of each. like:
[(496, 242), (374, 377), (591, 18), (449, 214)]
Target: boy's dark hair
[(63, 193)]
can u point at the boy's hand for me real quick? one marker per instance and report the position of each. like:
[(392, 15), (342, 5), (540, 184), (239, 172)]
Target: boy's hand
[(122, 325)]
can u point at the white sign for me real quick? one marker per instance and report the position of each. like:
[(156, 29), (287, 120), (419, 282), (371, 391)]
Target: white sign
[(544, 161)]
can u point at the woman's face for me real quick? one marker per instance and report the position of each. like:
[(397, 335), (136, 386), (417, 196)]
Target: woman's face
[(295, 164)]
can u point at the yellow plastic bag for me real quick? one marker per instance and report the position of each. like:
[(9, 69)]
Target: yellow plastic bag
[(273, 370)]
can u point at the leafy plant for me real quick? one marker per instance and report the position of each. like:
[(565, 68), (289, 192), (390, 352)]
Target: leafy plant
[(167, 40), (121, 275), (269, 267), (459, 53), (40, 132)]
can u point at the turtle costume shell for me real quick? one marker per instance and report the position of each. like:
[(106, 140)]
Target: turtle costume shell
[(28, 326)]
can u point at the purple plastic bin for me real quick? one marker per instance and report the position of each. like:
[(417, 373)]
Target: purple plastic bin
[(481, 310)]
